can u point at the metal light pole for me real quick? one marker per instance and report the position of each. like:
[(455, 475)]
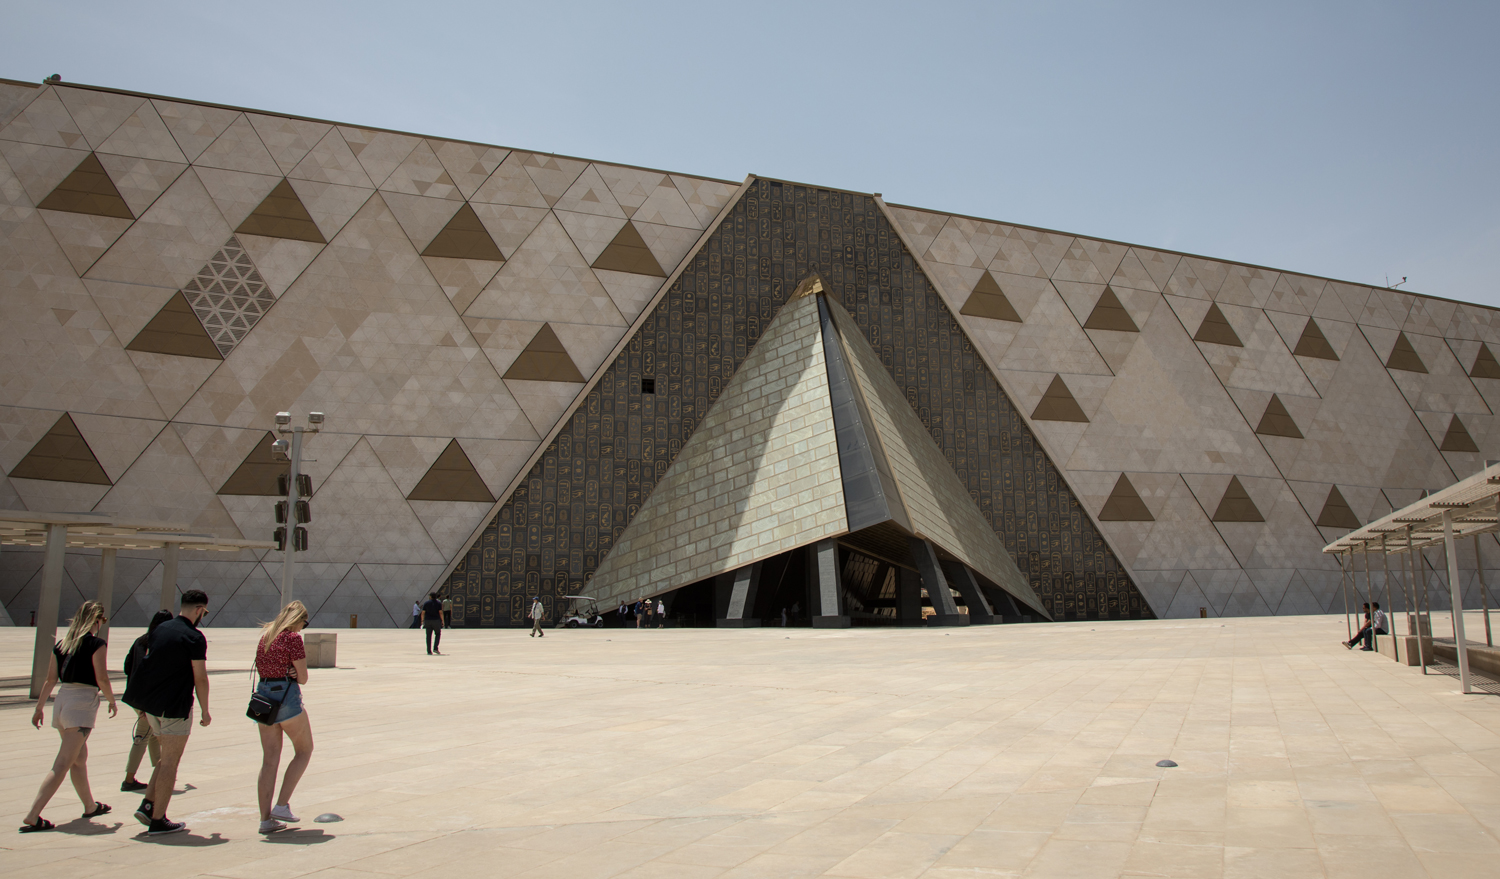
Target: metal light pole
[(293, 452)]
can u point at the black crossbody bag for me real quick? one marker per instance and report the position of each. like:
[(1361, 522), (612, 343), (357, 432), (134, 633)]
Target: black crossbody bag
[(263, 710)]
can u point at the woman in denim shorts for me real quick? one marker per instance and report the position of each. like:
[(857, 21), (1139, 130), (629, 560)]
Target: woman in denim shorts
[(281, 662)]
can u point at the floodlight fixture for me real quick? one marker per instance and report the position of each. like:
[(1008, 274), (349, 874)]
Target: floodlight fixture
[(283, 418), (315, 419)]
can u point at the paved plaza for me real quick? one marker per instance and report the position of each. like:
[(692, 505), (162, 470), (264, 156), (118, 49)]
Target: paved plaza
[(988, 751)]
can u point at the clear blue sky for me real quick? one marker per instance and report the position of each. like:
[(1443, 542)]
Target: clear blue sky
[(1354, 140)]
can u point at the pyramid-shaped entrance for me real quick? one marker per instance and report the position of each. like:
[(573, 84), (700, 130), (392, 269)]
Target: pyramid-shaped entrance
[(811, 466)]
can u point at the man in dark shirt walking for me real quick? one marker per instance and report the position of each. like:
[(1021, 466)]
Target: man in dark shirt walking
[(174, 669), (432, 621)]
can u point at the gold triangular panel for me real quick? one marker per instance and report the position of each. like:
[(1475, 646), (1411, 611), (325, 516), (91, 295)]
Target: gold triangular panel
[(1404, 356), (256, 475), (1336, 512), (1457, 439), (1216, 330), (1313, 343), (544, 360), (451, 477), (62, 455), (628, 253), (1124, 504), (464, 237), (988, 300), (282, 215), (1236, 505), (1276, 421), (1110, 314), (176, 329), (88, 190), (1485, 365), (1058, 404)]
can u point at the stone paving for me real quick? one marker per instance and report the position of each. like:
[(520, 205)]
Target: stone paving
[(995, 751)]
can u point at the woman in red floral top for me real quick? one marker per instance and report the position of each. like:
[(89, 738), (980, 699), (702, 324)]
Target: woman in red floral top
[(281, 662)]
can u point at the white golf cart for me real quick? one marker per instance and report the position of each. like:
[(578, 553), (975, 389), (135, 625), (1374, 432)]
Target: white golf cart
[(581, 610)]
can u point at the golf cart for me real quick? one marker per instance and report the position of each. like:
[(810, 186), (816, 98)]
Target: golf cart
[(581, 610)]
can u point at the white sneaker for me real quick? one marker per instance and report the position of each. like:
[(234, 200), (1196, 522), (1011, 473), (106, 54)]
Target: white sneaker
[(283, 812), (271, 825)]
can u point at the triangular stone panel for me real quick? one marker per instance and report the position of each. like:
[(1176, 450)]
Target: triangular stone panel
[(628, 253), (257, 474), (1110, 314), (544, 359), (1216, 330), (1313, 343), (176, 329), (1058, 404), (282, 215), (1125, 504), (1485, 365), (451, 477), (1236, 505), (1457, 439), (988, 300), (1276, 421), (62, 455), (88, 190), (1404, 356), (1336, 512), (464, 237), (229, 296)]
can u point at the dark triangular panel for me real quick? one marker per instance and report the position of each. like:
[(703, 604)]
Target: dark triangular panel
[(988, 300), (1216, 330), (696, 338), (1336, 512), (1313, 343), (451, 477), (257, 474), (1109, 314), (1276, 421), (1236, 505), (1485, 365), (1058, 404), (1457, 439), (176, 330), (544, 360), (1404, 356), (62, 455), (1125, 504), (464, 238), (282, 215), (88, 190), (628, 253)]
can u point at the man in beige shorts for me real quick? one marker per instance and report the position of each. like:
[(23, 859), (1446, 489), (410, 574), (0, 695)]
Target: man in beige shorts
[(162, 688)]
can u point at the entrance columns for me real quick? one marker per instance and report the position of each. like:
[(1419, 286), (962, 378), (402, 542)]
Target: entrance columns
[(829, 590), (908, 597), (945, 608), (742, 594), (1456, 596), (46, 611), (963, 579)]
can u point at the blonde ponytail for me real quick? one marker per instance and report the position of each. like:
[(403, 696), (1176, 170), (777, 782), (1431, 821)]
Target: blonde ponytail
[(83, 622), (295, 612)]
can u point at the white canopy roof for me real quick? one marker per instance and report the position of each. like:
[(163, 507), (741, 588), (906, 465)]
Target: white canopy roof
[(1472, 502)]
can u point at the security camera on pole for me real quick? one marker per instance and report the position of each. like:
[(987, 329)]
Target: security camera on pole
[(295, 486)]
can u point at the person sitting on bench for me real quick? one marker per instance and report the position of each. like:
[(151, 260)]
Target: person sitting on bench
[(1372, 627)]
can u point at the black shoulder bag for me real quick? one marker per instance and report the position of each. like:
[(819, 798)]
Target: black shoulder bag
[(263, 710)]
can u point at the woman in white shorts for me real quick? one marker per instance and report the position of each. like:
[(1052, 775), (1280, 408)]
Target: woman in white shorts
[(78, 662)]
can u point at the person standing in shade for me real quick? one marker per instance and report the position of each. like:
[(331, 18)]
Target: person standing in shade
[(640, 613), (141, 739), (447, 612), (432, 620), (174, 670), (281, 662), (416, 615), (661, 614), (537, 614), (78, 663)]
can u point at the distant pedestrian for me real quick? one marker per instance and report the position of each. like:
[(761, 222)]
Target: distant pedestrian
[(640, 614), (174, 670), (661, 614), (447, 612), (1374, 625), (281, 663), (78, 665), (783, 618), (142, 739), (416, 615), (431, 613), (623, 612), (537, 614)]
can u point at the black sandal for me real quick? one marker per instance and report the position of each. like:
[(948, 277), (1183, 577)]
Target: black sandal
[(99, 809), (41, 824)]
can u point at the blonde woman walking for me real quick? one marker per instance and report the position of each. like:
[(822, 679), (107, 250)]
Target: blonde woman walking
[(78, 662), (281, 662)]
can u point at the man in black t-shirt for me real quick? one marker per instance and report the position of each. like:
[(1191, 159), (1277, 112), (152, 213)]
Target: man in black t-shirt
[(432, 621), (162, 688)]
